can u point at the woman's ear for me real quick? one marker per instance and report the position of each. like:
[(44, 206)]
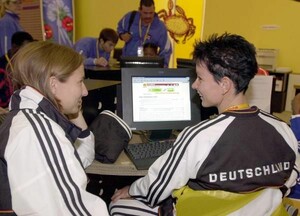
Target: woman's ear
[(53, 84), (226, 84)]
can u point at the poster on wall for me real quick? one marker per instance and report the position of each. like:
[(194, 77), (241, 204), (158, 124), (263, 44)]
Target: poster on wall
[(183, 20), (58, 21), (180, 27)]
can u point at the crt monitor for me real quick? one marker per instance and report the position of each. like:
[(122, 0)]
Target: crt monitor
[(185, 63), (159, 98), (145, 62), (117, 54)]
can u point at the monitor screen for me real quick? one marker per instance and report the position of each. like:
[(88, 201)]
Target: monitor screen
[(145, 62), (159, 98)]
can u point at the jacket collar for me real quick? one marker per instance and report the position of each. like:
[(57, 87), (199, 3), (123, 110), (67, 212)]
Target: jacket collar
[(29, 98)]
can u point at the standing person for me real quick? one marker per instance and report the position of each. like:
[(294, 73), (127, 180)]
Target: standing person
[(9, 23), (243, 150), (97, 51), (45, 144), (146, 27)]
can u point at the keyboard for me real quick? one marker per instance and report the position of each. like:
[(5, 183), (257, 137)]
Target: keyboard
[(143, 155)]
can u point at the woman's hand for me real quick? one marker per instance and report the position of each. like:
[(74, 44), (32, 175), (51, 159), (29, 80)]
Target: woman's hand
[(78, 120), (121, 194)]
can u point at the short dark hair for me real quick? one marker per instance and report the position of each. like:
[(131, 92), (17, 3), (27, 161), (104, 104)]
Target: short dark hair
[(18, 38), (228, 55), (146, 3), (151, 45), (109, 34)]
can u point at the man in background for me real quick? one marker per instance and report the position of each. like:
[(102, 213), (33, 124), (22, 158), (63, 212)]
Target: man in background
[(144, 26), (97, 50)]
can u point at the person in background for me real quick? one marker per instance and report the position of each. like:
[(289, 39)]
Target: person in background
[(150, 50), (295, 126), (223, 157), (295, 121), (45, 142), (146, 27), (9, 23), (262, 72), (97, 51), (18, 39), (6, 88)]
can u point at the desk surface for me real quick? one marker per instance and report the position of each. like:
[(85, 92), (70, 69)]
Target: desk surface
[(112, 72), (122, 167), (92, 84)]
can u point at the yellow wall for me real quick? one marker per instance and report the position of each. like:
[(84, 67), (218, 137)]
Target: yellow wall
[(93, 15), (247, 18)]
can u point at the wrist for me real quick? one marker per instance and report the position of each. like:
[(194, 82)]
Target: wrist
[(95, 61)]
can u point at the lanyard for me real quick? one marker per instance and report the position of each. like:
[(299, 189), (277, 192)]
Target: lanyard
[(8, 61), (97, 49), (237, 107), (140, 31)]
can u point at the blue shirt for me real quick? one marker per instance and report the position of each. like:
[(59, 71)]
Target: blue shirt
[(88, 47), (157, 35), (9, 24)]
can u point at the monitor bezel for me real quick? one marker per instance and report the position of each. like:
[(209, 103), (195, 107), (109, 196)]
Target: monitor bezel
[(185, 63), (127, 111)]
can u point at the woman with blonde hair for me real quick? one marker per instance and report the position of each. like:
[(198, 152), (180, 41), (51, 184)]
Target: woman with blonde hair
[(45, 143), (9, 22)]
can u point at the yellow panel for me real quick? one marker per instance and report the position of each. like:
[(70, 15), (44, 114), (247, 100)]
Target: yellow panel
[(267, 24), (184, 22)]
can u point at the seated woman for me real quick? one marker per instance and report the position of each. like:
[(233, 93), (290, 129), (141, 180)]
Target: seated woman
[(45, 144)]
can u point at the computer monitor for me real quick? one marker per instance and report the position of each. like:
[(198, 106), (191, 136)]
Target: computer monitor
[(145, 62), (159, 98), (185, 63), (117, 54)]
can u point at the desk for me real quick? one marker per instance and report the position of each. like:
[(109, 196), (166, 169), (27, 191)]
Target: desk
[(112, 72), (122, 167), (92, 84), (104, 179)]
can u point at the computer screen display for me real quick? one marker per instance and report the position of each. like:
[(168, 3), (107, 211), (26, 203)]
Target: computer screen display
[(145, 62), (159, 98)]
